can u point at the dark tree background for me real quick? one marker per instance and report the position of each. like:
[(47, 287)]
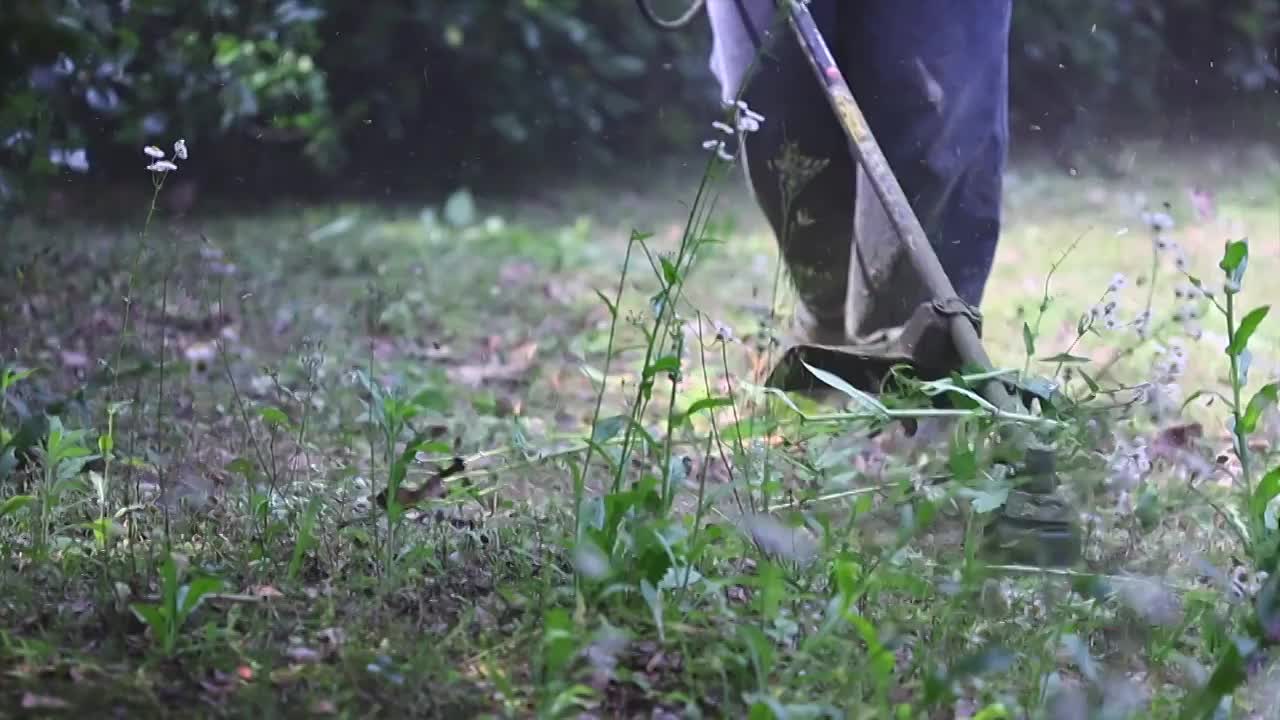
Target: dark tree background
[(289, 96)]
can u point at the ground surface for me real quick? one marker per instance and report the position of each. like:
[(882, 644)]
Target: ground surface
[(269, 372)]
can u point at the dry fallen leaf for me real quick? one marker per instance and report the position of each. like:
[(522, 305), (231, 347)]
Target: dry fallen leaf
[(265, 591), (432, 488), (518, 361)]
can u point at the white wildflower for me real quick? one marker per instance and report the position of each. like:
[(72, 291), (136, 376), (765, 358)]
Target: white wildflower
[(162, 166), (742, 105), (722, 127), (718, 145), (724, 333), (1129, 464), (180, 149), (1118, 282), (1163, 401), (1142, 323), (153, 151), (1158, 221), (719, 148), (200, 356), (748, 120), (1173, 362), (77, 160)]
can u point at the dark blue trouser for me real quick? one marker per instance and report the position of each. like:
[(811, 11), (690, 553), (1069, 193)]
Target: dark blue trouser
[(931, 76)]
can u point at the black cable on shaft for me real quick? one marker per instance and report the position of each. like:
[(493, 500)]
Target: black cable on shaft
[(678, 23), (696, 7)]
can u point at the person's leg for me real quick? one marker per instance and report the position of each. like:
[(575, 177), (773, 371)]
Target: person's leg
[(809, 207), (932, 78)]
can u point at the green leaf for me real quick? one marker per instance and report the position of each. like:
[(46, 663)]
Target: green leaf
[(669, 272), (1213, 395), (962, 461), (844, 387), (11, 377), (15, 503), (1247, 327), (1028, 340), (882, 660), (193, 593), (1266, 491), (1235, 255), (613, 309), (304, 540), (431, 399), (152, 615), (773, 588), (241, 466), (1090, 382), (608, 428), (665, 364), (433, 447), (748, 428), (273, 416), (1266, 397), (653, 598), (558, 640), (1067, 359), (709, 403), (760, 649)]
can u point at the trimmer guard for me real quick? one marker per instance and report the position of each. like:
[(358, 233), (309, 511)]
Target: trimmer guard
[(924, 345)]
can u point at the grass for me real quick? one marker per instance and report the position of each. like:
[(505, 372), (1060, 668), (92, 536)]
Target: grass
[(201, 534)]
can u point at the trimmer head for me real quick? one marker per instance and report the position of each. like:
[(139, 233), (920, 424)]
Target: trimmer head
[(1035, 526)]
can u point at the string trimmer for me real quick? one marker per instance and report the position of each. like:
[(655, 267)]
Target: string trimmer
[(942, 336)]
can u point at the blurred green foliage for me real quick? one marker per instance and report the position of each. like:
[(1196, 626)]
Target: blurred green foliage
[(303, 91)]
